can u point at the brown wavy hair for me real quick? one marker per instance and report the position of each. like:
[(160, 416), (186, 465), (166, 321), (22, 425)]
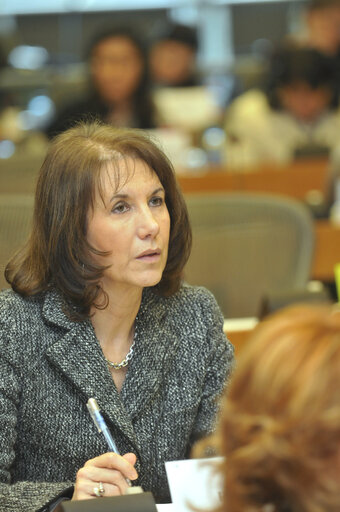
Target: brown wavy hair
[(279, 428), (57, 253)]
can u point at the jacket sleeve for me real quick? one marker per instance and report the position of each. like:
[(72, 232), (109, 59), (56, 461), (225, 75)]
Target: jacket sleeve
[(220, 361), (17, 496)]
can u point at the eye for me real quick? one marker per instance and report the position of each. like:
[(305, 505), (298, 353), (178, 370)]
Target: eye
[(120, 207), (156, 201)]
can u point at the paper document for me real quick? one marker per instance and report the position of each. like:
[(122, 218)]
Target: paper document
[(165, 507), (195, 483)]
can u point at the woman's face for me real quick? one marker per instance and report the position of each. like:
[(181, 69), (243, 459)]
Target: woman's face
[(116, 67), (133, 223)]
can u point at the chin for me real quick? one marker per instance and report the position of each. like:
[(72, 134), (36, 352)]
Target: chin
[(150, 281)]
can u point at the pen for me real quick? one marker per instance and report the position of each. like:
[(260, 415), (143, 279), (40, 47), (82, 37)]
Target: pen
[(99, 421)]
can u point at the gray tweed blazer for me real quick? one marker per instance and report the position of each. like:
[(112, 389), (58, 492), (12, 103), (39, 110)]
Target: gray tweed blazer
[(50, 366)]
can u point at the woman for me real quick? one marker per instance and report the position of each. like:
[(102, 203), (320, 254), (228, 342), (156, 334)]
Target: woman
[(120, 93), (280, 425), (98, 310)]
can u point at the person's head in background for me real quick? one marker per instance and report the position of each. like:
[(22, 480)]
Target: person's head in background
[(118, 66), (279, 428), (173, 57), (322, 20), (301, 82)]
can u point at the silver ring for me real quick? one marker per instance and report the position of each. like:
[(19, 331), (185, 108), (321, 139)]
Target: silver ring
[(99, 491)]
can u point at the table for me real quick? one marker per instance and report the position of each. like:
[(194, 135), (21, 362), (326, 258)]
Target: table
[(238, 330), (299, 179), (327, 250)]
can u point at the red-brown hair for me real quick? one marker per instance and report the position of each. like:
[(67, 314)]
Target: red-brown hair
[(279, 428)]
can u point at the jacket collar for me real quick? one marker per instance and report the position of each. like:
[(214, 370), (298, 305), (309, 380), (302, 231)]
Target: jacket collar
[(54, 310), (78, 355)]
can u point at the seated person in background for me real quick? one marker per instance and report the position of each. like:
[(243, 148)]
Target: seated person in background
[(185, 106), (98, 309), (297, 112), (173, 58), (321, 31), (120, 92), (280, 424)]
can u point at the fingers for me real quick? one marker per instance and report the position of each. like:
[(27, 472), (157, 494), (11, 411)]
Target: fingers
[(111, 469), (117, 462), (131, 458), (85, 488), (113, 477)]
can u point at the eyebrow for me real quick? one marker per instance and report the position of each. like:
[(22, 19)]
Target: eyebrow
[(125, 196)]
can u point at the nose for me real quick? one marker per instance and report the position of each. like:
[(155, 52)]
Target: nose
[(148, 225)]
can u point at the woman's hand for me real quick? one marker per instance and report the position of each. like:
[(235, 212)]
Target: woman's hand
[(110, 470)]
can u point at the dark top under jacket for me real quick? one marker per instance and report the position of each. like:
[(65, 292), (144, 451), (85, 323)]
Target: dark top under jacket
[(93, 108), (50, 366)]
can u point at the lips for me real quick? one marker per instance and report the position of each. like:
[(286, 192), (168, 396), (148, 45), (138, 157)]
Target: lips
[(149, 253)]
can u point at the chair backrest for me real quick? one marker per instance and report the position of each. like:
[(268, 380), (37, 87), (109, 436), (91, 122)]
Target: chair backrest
[(248, 245), (18, 174), (15, 222)]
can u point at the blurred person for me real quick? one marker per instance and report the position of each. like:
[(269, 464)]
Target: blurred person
[(279, 429), (120, 92), (98, 309), (173, 58), (322, 26), (295, 114), (321, 30), (185, 106)]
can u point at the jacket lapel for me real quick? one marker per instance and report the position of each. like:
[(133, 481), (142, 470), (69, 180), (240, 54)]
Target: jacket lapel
[(78, 355), (156, 346)]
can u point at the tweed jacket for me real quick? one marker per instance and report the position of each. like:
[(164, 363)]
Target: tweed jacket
[(50, 366)]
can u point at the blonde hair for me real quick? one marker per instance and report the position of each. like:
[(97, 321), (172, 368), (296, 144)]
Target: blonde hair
[(279, 428)]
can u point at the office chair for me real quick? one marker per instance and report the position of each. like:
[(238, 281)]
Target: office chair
[(15, 222), (18, 174), (247, 246)]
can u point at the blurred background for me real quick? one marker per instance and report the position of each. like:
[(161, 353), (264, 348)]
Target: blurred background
[(43, 44)]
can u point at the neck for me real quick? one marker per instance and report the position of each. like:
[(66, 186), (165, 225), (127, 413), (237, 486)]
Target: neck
[(121, 106), (114, 325)]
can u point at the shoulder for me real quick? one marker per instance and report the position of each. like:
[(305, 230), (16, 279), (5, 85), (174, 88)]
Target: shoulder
[(332, 120), (193, 296), (20, 320), (249, 115), (13, 305), (190, 306), (86, 106), (252, 102), (196, 299), (192, 321), (84, 109), (19, 316)]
